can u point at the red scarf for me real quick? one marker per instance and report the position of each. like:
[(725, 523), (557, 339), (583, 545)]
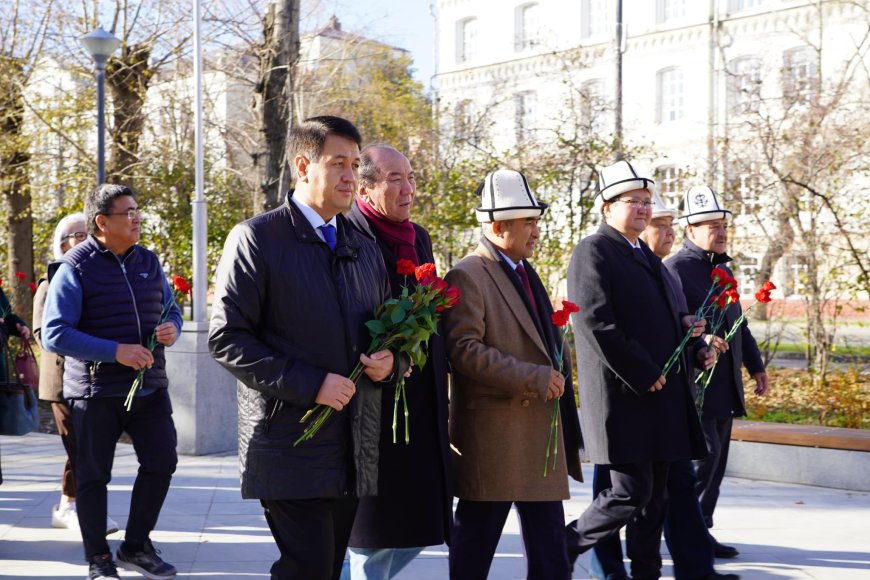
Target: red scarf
[(399, 237)]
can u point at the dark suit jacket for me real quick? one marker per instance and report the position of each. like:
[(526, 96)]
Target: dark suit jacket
[(397, 517), (626, 329)]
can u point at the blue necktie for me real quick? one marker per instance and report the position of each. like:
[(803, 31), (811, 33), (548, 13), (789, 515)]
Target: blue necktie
[(328, 235)]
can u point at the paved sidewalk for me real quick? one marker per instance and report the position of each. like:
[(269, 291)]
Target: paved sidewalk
[(207, 531)]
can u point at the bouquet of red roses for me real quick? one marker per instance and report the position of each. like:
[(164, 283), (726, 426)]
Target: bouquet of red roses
[(180, 289), (404, 324)]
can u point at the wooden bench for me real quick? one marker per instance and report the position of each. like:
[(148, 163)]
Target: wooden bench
[(802, 435)]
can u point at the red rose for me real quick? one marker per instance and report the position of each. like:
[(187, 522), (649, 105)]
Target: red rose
[(405, 267), (438, 284), (180, 284), (560, 318), (570, 307), (424, 271), (451, 296), (32, 288), (21, 276)]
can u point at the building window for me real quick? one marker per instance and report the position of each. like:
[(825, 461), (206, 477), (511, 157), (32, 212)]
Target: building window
[(745, 85), (747, 267), (527, 27), (740, 5), (594, 19), (463, 121), (799, 75), (525, 108), (670, 10), (748, 187), (796, 267), (669, 89), (669, 183), (466, 40), (594, 106)]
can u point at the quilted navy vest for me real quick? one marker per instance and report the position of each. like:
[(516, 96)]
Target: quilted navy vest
[(122, 299)]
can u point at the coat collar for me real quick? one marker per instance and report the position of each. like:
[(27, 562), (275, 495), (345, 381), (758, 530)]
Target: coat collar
[(699, 253), (652, 262), (347, 241), (498, 271)]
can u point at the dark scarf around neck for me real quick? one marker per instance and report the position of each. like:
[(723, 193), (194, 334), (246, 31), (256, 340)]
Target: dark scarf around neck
[(399, 237)]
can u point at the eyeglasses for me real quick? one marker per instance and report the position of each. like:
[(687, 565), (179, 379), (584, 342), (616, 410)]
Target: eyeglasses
[(130, 213), (79, 236), (637, 202)]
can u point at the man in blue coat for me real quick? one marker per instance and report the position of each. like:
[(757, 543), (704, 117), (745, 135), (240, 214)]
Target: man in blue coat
[(104, 302), (635, 420), (706, 225)]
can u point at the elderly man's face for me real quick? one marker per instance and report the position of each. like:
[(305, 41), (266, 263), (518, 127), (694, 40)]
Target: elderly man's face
[(517, 237), (630, 212), (392, 195), (659, 235), (710, 236)]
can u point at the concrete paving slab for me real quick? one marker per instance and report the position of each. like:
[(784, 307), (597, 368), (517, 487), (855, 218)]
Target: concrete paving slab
[(206, 530)]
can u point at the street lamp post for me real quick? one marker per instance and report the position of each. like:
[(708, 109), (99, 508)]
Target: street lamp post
[(100, 45)]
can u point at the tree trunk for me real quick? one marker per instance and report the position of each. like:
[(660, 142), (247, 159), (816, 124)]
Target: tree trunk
[(782, 241), (128, 77), (278, 55), (14, 184)]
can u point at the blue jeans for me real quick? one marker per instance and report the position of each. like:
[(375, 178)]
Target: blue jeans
[(377, 563)]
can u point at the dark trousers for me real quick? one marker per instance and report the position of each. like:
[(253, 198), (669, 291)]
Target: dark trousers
[(717, 433), (477, 529), (312, 536), (97, 424), (637, 492), (63, 419), (685, 530)]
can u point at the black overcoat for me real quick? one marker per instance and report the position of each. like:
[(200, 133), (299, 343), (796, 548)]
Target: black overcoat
[(626, 329), (414, 505), (724, 397)]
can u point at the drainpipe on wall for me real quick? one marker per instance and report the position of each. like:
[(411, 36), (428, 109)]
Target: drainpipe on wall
[(713, 98)]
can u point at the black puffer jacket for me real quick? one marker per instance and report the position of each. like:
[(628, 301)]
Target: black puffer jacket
[(286, 312)]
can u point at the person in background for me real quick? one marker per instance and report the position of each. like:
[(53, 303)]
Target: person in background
[(392, 528), (104, 303), (706, 224), (70, 231)]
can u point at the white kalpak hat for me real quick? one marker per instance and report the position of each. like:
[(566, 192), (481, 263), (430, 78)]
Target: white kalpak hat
[(619, 178), (506, 196), (701, 205), (660, 209)]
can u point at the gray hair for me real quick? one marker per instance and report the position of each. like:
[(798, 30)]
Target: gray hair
[(63, 229), (369, 172)]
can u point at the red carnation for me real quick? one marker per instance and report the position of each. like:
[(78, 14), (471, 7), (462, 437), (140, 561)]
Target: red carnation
[(424, 271), (570, 307), (768, 286), (719, 276), (405, 267), (560, 318), (763, 296), (180, 284), (32, 288), (21, 276), (732, 296)]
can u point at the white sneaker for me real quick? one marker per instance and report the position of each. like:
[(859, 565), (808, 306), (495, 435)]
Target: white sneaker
[(111, 526), (65, 517)]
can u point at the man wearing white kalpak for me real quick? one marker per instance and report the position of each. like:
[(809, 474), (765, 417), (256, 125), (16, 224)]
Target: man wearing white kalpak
[(635, 420), (706, 224)]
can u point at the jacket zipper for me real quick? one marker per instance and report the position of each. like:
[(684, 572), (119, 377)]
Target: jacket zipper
[(132, 297)]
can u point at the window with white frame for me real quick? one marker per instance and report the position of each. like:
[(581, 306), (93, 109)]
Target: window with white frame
[(670, 10), (745, 85), (466, 40), (747, 267), (669, 184), (525, 109), (740, 5), (799, 75), (463, 121), (669, 92), (594, 106), (796, 267), (595, 18), (527, 26)]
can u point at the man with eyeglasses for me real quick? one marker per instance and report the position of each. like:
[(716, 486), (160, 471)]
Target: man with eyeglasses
[(104, 302), (706, 224), (635, 420)]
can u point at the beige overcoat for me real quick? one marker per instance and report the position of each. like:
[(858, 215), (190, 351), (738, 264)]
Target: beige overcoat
[(50, 364), (499, 416)]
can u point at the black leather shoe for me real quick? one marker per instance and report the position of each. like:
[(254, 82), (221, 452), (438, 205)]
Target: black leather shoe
[(718, 576), (723, 551)]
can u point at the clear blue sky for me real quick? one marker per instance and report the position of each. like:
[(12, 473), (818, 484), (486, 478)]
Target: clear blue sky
[(403, 23)]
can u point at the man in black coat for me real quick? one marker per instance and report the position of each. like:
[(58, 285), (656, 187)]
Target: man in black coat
[(414, 505), (294, 289), (635, 420), (704, 249)]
